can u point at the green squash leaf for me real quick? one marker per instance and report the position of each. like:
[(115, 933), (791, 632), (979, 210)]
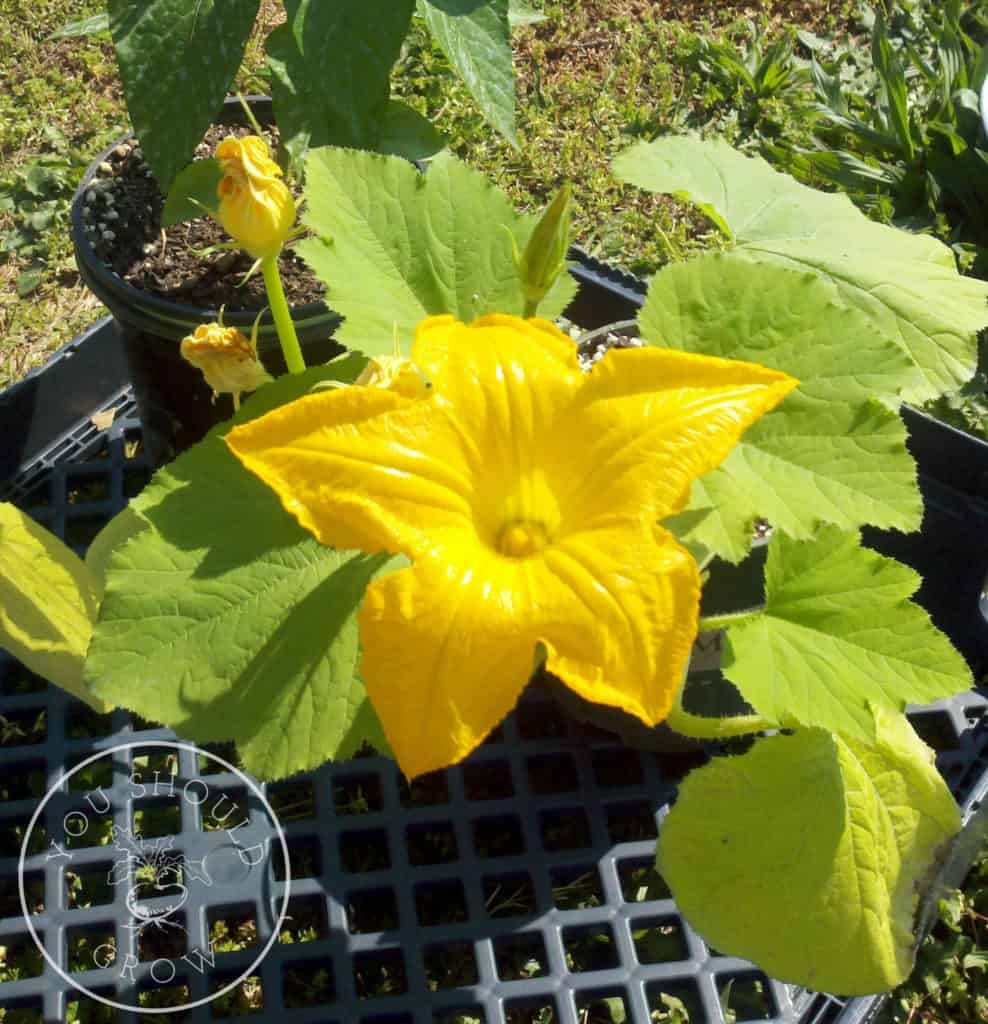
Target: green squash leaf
[(48, 603), (827, 454), (394, 245), (227, 621), (193, 189), (805, 854), (475, 35), (838, 638), (177, 59), (332, 67), (779, 317), (840, 463), (124, 525), (907, 285), (742, 195), (408, 134)]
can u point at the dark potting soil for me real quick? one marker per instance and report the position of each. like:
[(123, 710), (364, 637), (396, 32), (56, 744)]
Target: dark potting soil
[(122, 212)]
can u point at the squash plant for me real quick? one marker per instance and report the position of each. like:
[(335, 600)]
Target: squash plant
[(330, 67), (382, 549)]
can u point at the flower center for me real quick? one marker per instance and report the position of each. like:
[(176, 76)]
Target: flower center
[(522, 538)]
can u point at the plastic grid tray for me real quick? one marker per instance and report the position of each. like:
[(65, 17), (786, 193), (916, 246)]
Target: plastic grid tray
[(515, 883)]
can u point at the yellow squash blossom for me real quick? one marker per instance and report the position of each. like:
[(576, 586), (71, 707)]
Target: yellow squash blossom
[(227, 358), (255, 206), (527, 495)]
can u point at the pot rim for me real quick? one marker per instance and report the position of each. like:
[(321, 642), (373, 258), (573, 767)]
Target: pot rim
[(628, 327)]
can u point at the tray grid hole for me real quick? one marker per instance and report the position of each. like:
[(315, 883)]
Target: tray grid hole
[(450, 965)]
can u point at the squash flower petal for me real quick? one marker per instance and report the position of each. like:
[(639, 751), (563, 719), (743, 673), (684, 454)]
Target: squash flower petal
[(526, 495), (256, 207), (449, 645), (227, 359)]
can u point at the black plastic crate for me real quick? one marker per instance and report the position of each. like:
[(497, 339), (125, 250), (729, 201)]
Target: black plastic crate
[(516, 882)]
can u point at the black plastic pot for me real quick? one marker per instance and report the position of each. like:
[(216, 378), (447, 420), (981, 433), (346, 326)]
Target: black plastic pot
[(177, 407)]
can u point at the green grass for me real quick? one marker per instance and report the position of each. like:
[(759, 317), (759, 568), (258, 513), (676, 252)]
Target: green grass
[(60, 103), (580, 102)]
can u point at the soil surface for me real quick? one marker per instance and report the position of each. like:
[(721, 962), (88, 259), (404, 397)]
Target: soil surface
[(122, 214), (594, 347)]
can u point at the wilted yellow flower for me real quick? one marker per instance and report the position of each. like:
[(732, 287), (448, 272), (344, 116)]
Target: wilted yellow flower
[(527, 496), (255, 206), (227, 358)]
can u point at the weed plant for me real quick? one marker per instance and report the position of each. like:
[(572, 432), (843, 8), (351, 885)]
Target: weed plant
[(898, 122), (950, 982)]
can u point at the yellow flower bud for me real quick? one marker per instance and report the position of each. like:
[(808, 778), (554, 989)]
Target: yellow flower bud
[(227, 358), (395, 374), (255, 206)]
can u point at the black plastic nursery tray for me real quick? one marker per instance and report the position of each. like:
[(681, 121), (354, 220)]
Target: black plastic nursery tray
[(517, 887)]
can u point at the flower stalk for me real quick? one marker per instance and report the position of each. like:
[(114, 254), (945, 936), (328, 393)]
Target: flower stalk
[(290, 347), (709, 623), (705, 727)]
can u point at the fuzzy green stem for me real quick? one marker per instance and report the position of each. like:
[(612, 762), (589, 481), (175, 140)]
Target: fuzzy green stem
[(531, 308), (702, 727), (282, 317), (709, 623)]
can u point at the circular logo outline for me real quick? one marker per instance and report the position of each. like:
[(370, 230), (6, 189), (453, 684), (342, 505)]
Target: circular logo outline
[(172, 745)]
